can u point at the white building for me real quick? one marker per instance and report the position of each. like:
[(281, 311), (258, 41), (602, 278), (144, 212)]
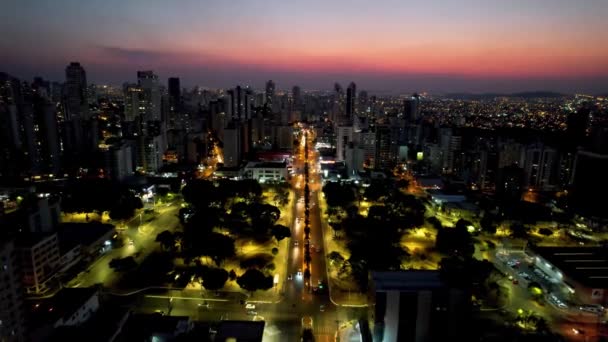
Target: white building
[(153, 153), (266, 171), (38, 259), (344, 135)]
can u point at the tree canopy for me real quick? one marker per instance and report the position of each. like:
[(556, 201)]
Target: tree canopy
[(253, 280)]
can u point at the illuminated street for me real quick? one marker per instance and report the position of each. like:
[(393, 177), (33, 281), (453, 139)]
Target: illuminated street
[(142, 235)]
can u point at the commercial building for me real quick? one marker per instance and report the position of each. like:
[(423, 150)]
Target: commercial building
[(417, 306), (583, 271), (266, 171)]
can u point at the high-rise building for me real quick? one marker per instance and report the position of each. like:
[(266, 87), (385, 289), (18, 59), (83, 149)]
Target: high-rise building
[(38, 258), (240, 103), (296, 95), (175, 97), (577, 123), (411, 108), (510, 183), (135, 102), (232, 145), (76, 100), (343, 137), (12, 328), (363, 103), (12, 159), (351, 95), (589, 183), (385, 152), (270, 93), (45, 138), (417, 306), (150, 97), (540, 167)]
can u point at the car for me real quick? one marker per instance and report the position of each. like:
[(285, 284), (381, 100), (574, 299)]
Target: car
[(299, 274), (289, 277), (318, 249), (577, 331), (249, 306), (252, 313), (322, 308)]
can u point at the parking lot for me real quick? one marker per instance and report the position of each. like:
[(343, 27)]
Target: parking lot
[(522, 272)]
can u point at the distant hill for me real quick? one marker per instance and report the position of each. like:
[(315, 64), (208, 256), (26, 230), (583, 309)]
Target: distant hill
[(487, 96)]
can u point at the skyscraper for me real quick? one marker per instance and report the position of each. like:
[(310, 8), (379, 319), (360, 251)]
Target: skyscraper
[(10, 125), (296, 95), (270, 92), (174, 94), (150, 97), (577, 126), (411, 109), (240, 102), (351, 94), (76, 102)]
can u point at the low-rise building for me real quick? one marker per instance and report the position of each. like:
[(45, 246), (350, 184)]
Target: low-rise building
[(266, 171), (583, 271), (70, 307)]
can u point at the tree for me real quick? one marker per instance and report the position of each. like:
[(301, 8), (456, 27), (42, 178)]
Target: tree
[(274, 251), (280, 232), (214, 278), (376, 190), (166, 240), (232, 275), (435, 222), (463, 224), (338, 195), (336, 226), (215, 245), (335, 258), (455, 241), (487, 224), (545, 231), (518, 230), (253, 280), (123, 264)]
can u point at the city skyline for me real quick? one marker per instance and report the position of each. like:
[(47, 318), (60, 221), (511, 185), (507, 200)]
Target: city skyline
[(386, 47)]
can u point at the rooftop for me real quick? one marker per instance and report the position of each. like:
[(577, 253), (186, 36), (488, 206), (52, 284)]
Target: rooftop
[(267, 164), (85, 234), (586, 265), (28, 240), (412, 280), (62, 305), (242, 331)]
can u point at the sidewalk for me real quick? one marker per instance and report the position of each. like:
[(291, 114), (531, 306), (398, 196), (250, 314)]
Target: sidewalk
[(347, 293)]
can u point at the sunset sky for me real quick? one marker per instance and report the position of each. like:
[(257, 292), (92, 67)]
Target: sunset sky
[(382, 45)]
